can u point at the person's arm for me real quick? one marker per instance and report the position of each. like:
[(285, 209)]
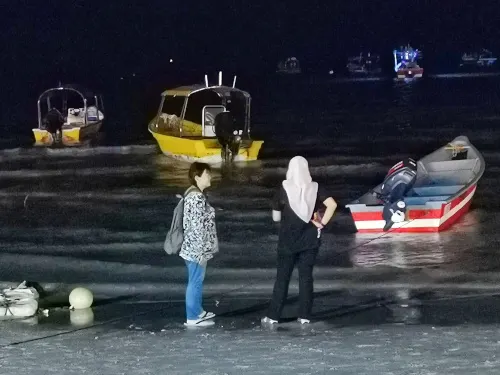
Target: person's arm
[(331, 206), (277, 205)]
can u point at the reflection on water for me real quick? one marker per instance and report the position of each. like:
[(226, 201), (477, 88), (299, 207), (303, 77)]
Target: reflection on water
[(174, 173), (81, 317), (420, 250)]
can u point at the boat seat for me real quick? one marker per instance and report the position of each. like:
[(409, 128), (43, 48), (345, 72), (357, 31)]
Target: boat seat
[(433, 190), (416, 201)]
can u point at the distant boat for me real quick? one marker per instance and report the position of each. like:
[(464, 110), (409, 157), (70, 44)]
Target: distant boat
[(289, 66), (482, 59), (368, 64), (405, 63), (76, 123)]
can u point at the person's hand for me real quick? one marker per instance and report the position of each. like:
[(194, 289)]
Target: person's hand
[(317, 224)]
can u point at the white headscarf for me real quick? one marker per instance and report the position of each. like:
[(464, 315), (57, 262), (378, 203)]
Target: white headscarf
[(301, 190)]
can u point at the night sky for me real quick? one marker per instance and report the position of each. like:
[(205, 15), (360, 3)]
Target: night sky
[(96, 42)]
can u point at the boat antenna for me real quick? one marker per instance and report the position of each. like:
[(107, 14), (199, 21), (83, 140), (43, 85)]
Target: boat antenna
[(206, 80), (234, 82), (220, 78)]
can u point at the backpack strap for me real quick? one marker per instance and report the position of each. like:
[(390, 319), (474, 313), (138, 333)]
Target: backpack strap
[(190, 190)]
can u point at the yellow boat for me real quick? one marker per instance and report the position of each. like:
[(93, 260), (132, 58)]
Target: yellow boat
[(205, 123), (76, 123)]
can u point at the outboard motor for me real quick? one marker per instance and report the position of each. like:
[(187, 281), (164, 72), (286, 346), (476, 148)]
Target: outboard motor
[(397, 183), (227, 135), (54, 122)]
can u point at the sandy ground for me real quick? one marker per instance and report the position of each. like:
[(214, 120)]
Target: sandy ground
[(354, 333)]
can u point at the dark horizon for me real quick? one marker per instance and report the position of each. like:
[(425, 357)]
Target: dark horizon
[(114, 38), (97, 43)]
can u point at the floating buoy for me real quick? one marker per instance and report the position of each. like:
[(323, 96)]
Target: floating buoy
[(80, 298)]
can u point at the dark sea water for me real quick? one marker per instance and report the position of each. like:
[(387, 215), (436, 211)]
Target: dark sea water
[(385, 303), (98, 215)]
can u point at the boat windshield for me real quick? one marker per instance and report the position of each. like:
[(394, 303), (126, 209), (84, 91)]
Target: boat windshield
[(197, 101), (173, 105)]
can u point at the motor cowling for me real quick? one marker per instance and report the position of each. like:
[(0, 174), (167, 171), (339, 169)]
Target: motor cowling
[(397, 183), (228, 135), (53, 123)]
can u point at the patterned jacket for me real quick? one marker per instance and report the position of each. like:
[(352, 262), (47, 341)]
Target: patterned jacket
[(200, 234)]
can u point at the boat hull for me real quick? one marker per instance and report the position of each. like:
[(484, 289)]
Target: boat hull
[(363, 73), (410, 73), (289, 71), (205, 150), (433, 217), (71, 136)]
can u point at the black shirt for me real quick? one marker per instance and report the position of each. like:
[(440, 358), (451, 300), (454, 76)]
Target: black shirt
[(295, 235)]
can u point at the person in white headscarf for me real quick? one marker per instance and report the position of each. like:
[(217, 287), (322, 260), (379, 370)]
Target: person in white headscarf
[(303, 210)]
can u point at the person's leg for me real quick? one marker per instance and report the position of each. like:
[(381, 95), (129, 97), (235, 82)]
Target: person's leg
[(194, 290), (306, 260), (280, 291)]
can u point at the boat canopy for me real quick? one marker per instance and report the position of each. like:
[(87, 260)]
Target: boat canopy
[(84, 92), (186, 91), (87, 96)]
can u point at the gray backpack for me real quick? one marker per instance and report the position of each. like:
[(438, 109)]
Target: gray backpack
[(175, 236)]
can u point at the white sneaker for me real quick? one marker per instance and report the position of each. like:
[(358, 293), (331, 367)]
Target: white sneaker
[(198, 323), (206, 315), (267, 320), (303, 321)]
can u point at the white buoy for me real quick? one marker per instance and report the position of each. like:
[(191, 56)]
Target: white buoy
[(80, 298)]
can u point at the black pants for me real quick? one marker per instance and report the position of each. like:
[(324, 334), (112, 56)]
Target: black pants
[(286, 262)]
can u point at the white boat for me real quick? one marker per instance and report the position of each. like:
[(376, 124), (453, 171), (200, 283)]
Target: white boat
[(59, 107), (289, 66), (19, 302), (364, 65), (483, 59)]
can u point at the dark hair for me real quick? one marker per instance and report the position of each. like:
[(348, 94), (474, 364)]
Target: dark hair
[(197, 169)]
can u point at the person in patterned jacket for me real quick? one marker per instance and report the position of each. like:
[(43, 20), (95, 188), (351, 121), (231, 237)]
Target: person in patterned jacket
[(200, 242)]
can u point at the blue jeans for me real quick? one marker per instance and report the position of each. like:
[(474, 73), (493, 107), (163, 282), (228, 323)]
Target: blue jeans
[(194, 290)]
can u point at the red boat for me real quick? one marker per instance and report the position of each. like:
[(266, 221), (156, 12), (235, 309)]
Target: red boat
[(405, 63), (435, 192)]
